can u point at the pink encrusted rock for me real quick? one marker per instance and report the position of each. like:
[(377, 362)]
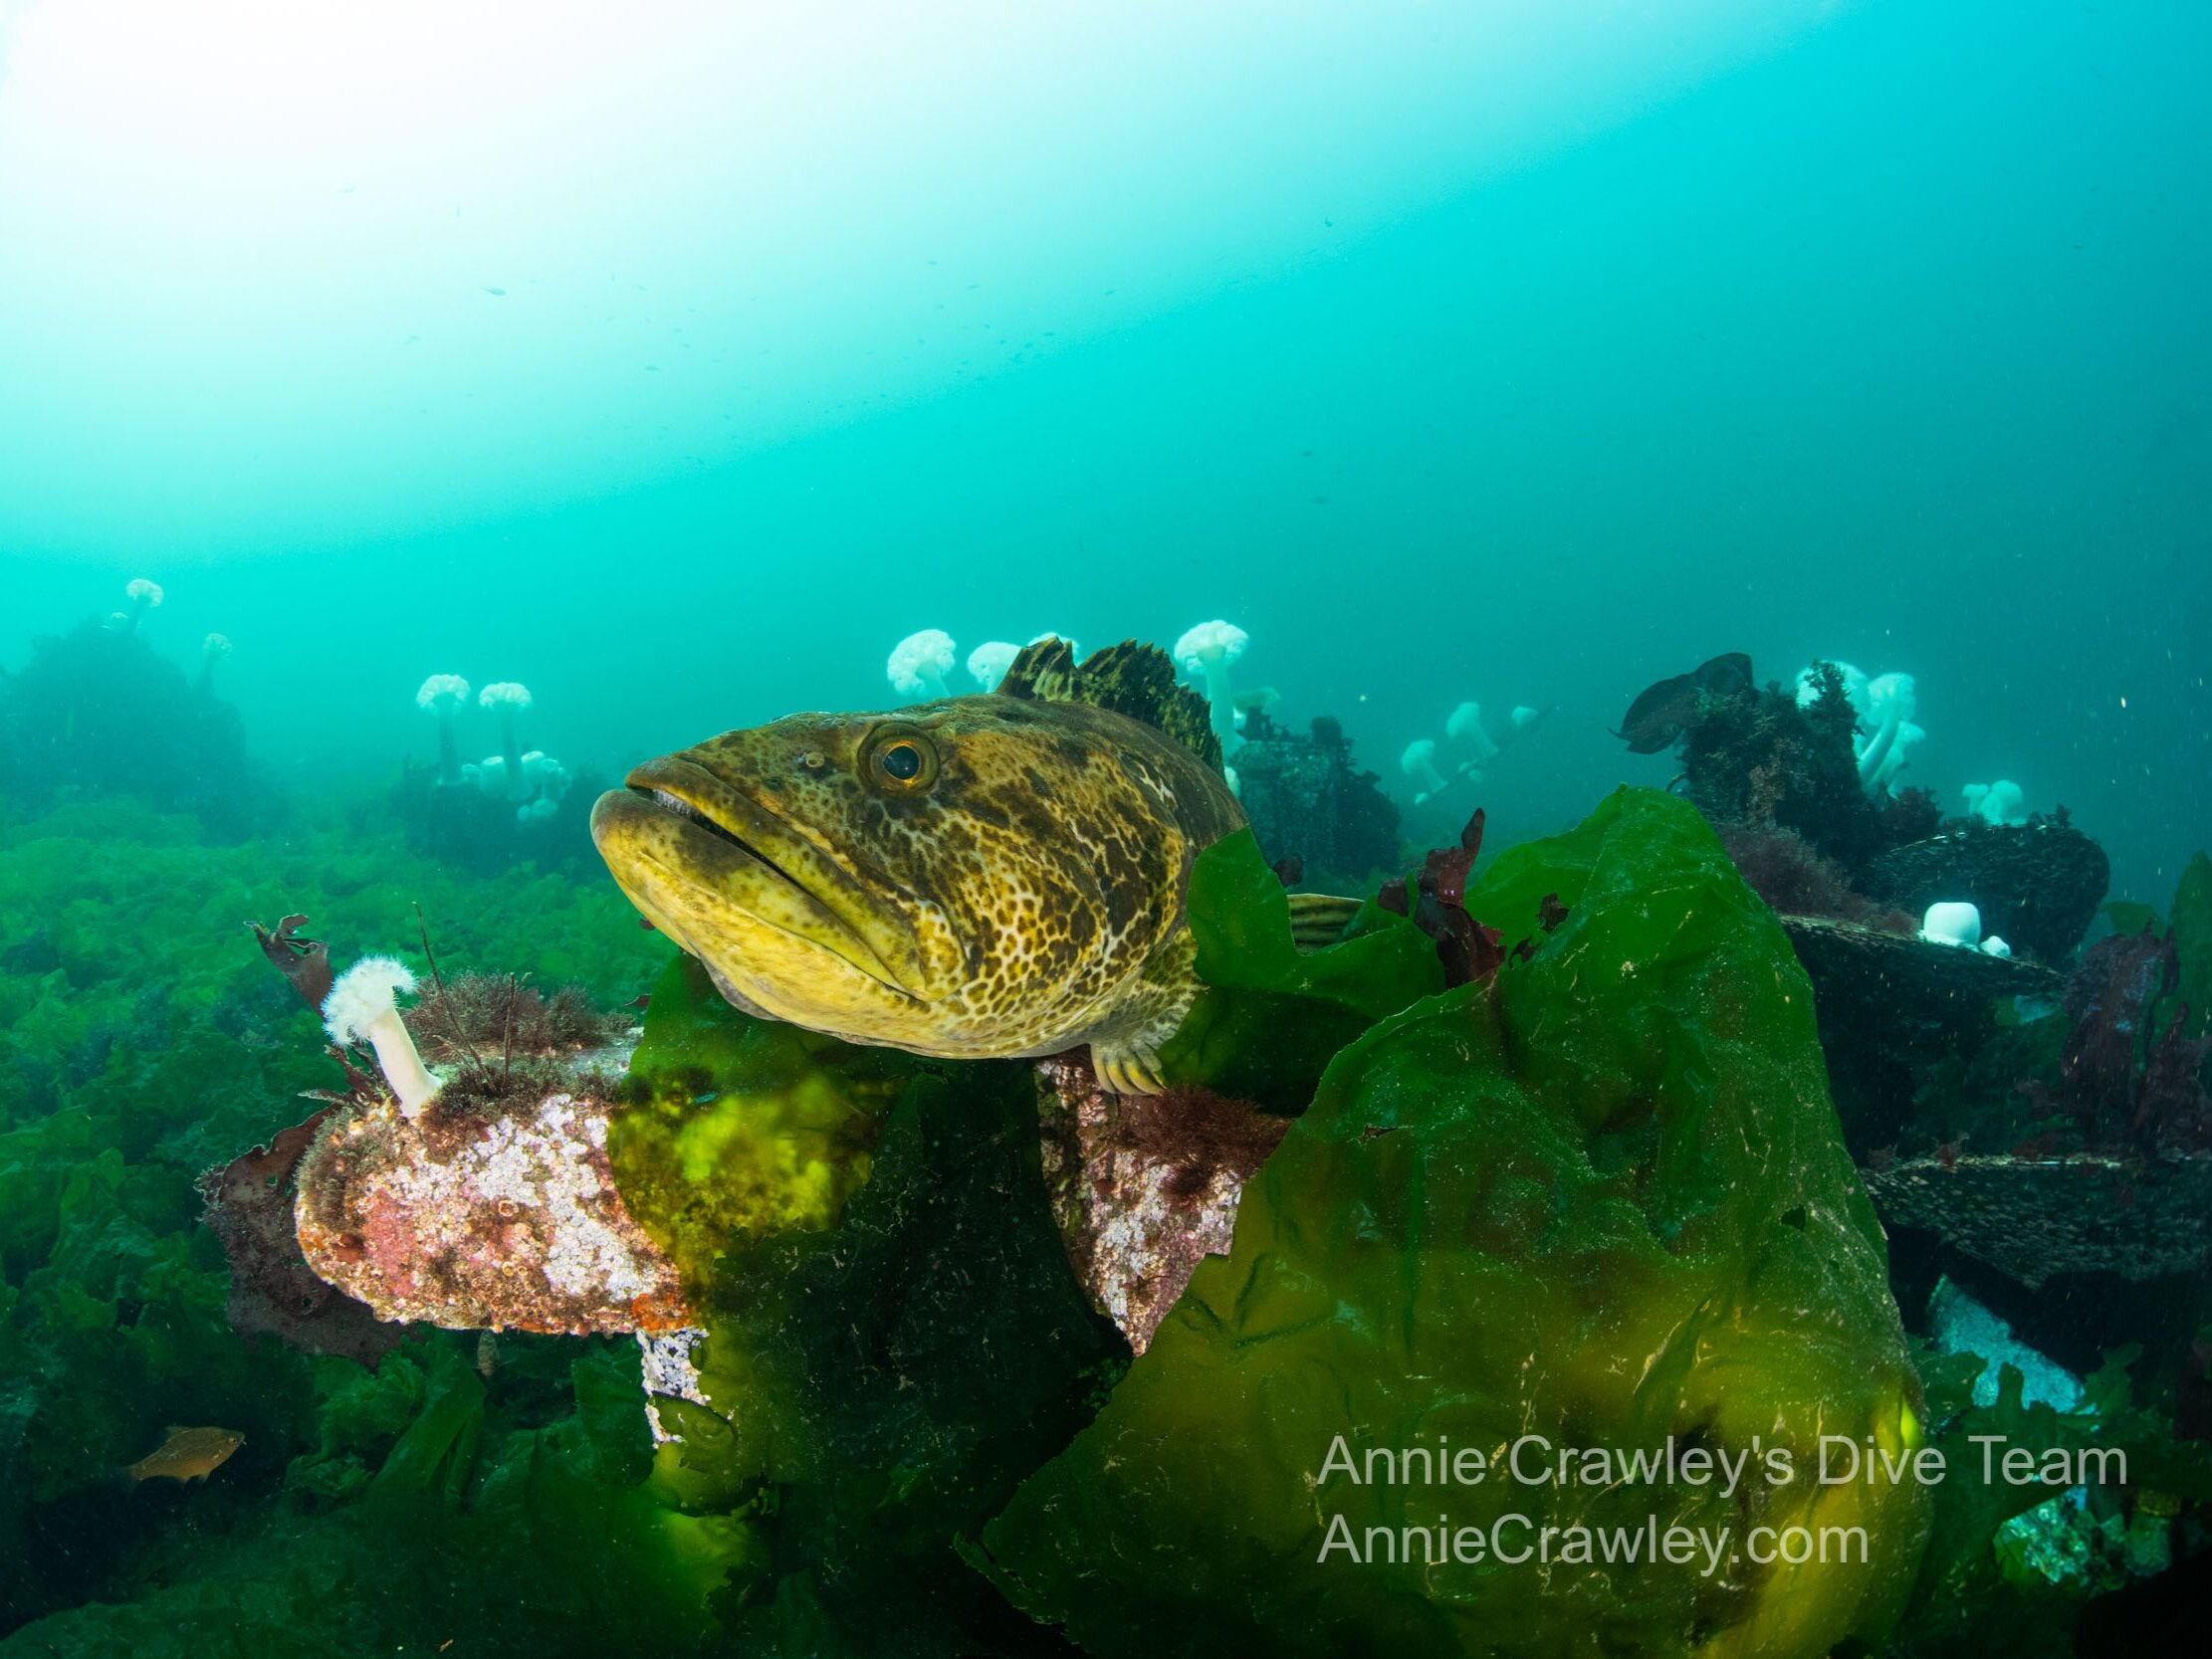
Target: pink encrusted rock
[(1145, 1187), (501, 1217)]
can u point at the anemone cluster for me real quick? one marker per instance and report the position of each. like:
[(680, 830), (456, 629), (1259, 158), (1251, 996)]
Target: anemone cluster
[(145, 595), (920, 666), (1885, 735), (1467, 749), (529, 780)]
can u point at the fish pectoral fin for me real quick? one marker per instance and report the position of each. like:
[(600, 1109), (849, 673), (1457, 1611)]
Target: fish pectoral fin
[(1127, 1069), (1319, 918), (1125, 1051)]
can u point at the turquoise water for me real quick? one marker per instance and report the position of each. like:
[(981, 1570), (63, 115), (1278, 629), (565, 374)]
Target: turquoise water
[(1504, 359), (678, 361)]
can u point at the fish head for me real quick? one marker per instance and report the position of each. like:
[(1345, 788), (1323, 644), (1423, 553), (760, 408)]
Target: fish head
[(933, 878), (1665, 710)]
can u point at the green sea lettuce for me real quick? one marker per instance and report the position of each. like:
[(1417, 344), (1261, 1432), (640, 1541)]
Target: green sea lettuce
[(1976, 1594), (1271, 1016), (736, 1127), (1604, 1201), (894, 1336)]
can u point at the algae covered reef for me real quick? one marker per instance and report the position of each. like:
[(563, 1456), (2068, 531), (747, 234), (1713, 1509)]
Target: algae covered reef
[(447, 1261)]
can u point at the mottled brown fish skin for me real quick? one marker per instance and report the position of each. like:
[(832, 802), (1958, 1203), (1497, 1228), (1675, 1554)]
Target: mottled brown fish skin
[(1019, 893), (1665, 710), (189, 1454)]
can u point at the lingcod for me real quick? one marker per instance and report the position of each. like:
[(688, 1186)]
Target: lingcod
[(978, 877)]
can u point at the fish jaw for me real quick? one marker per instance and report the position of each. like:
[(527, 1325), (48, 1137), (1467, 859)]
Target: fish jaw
[(781, 930)]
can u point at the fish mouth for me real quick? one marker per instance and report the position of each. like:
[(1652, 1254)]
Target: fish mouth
[(728, 834), (669, 802)]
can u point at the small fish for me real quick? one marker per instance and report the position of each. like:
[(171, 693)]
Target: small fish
[(977, 877), (189, 1454), (1661, 713)]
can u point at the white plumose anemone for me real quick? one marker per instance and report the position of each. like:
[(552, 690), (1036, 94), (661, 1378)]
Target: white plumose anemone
[(444, 696), (2003, 803), (143, 595), (442, 692), (1206, 652), (919, 662), (363, 1007), (1854, 683), (1884, 707), (547, 778), (1892, 702), (509, 699), (1258, 700), (1418, 762), (989, 662), (1465, 726), (213, 650), (1952, 921)]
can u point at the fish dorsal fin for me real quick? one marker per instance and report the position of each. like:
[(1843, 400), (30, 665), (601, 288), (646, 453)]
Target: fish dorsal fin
[(1129, 679)]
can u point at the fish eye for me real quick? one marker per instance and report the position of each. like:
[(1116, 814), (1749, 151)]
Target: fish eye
[(902, 760)]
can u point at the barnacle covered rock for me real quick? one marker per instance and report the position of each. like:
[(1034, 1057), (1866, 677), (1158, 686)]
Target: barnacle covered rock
[(250, 1204), (1145, 1187), (475, 1219), (2040, 1218), (1906, 995), (2036, 884)]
